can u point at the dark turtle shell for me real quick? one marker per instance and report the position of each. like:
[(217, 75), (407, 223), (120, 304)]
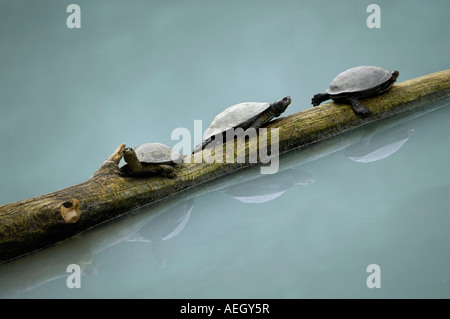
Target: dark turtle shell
[(360, 79), (234, 116), (156, 153), (243, 115)]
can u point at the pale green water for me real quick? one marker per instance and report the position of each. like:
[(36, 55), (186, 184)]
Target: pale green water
[(134, 72)]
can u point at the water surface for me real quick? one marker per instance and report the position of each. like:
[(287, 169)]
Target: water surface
[(135, 72)]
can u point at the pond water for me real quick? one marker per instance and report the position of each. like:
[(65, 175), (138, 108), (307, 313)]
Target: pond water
[(135, 72)]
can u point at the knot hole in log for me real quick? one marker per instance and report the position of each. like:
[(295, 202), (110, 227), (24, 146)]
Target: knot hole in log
[(70, 210)]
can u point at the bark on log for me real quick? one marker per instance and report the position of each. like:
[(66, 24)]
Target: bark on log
[(35, 223)]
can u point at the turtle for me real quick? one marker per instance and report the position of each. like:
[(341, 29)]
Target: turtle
[(150, 158), (243, 115), (357, 83)]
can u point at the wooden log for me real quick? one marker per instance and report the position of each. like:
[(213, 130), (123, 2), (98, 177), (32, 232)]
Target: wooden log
[(51, 264), (32, 224)]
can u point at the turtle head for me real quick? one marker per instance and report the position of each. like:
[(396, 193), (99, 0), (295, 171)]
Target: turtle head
[(281, 105), (395, 75), (130, 157)]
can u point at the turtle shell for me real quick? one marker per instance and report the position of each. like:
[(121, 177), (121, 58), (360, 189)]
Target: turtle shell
[(359, 79), (156, 153), (235, 116)]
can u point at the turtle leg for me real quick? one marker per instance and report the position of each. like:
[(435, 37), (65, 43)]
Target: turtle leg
[(263, 119), (167, 170), (201, 146), (319, 98), (357, 106), (218, 138), (124, 171)]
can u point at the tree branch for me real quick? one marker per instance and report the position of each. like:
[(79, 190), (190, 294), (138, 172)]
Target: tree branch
[(32, 224)]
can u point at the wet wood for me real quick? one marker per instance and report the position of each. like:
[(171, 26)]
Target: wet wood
[(31, 224)]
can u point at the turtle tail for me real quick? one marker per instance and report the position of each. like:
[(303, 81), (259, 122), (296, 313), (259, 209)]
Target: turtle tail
[(319, 98)]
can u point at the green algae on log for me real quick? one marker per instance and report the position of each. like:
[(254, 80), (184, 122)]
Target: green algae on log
[(32, 224)]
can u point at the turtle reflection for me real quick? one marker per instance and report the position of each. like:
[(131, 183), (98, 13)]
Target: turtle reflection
[(379, 145), (268, 187), (166, 226)]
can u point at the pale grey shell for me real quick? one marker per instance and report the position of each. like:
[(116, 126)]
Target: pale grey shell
[(361, 78), (234, 116), (156, 153)]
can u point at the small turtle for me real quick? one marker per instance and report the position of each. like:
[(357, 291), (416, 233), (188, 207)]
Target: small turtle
[(243, 115), (149, 158), (356, 83)]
